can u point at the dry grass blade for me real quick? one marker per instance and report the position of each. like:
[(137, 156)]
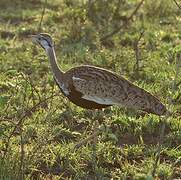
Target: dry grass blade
[(178, 5)]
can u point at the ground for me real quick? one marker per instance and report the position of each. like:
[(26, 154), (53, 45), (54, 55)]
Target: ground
[(39, 127)]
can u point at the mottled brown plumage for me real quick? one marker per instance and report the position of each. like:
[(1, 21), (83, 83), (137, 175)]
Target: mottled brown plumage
[(95, 88)]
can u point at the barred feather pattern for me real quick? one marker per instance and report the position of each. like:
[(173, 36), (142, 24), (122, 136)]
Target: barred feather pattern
[(105, 87)]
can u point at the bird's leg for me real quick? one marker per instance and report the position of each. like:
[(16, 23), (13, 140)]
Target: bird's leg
[(94, 156), (94, 135)]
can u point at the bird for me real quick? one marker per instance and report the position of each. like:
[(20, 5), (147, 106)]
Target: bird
[(95, 88), (92, 87)]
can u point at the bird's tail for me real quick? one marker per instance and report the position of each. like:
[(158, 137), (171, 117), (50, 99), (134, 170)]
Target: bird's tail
[(156, 107)]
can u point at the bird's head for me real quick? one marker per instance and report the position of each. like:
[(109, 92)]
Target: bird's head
[(43, 39)]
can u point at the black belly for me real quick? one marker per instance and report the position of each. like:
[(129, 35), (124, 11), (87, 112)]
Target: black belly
[(86, 104)]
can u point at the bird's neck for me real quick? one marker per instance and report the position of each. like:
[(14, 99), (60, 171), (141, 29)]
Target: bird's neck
[(57, 72)]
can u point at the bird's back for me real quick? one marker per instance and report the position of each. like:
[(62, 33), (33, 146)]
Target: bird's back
[(105, 88)]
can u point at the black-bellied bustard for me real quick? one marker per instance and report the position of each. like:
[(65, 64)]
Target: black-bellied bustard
[(95, 88)]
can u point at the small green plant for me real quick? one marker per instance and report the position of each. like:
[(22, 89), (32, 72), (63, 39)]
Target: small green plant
[(39, 127)]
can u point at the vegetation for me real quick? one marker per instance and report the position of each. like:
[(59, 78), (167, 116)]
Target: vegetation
[(39, 127)]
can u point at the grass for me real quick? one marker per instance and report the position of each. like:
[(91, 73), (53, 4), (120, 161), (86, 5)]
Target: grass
[(39, 127)]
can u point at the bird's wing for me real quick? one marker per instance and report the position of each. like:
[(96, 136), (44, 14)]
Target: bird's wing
[(104, 87), (94, 89)]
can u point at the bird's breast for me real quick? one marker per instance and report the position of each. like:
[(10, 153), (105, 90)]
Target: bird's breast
[(62, 87)]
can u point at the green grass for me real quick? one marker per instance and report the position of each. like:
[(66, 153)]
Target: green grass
[(39, 127)]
